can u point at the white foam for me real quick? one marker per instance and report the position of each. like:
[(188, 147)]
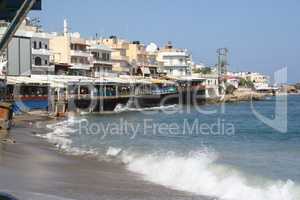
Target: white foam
[(198, 173), (60, 137), (113, 151), (121, 108)]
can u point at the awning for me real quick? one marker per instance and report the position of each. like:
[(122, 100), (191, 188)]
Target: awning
[(161, 81)]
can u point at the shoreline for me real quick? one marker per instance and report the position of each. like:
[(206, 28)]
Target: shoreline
[(55, 175)]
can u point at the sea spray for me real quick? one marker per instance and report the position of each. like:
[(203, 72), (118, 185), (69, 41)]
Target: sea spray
[(200, 174)]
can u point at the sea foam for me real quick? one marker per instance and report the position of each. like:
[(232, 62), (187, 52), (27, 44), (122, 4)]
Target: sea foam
[(124, 108), (198, 172)]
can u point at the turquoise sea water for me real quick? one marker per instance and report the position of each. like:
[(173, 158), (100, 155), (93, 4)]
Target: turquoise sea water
[(227, 154)]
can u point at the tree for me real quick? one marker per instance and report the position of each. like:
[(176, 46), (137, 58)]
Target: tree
[(205, 70), (230, 89), (246, 83)]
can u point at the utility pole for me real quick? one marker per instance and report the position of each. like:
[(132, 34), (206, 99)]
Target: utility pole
[(222, 62), (222, 68)]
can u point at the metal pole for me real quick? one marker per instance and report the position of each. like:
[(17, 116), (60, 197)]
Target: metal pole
[(16, 22), (13, 27)]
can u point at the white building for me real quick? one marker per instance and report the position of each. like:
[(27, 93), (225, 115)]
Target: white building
[(101, 61), (211, 83), (41, 55), (199, 66), (234, 81), (259, 81), (175, 62)]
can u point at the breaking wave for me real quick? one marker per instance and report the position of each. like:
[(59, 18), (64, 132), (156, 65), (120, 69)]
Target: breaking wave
[(198, 172)]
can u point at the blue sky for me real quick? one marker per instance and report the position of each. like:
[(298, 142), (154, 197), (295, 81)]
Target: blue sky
[(262, 35)]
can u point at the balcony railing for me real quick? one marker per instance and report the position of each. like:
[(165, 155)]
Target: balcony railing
[(46, 52), (81, 66), (49, 68), (102, 62), (80, 53)]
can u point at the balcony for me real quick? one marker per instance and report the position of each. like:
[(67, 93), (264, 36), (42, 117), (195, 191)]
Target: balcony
[(80, 66), (44, 52), (105, 74), (79, 53), (101, 62), (43, 68)]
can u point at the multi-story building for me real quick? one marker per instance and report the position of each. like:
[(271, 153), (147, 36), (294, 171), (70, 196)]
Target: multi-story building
[(40, 52), (258, 80), (71, 50), (254, 77), (119, 54), (101, 60), (176, 62), (143, 58), (153, 63)]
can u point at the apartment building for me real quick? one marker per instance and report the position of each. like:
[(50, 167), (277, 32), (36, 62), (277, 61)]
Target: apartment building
[(259, 80), (40, 53), (143, 58), (71, 50), (176, 62), (119, 58), (101, 60)]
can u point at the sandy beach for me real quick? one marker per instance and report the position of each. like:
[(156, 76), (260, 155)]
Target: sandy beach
[(32, 169)]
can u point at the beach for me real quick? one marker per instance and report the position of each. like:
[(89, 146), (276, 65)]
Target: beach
[(131, 155), (33, 169)]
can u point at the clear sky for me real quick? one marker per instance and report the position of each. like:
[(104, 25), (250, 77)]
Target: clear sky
[(262, 35)]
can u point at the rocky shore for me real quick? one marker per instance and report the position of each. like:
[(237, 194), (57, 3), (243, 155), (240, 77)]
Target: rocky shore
[(244, 95)]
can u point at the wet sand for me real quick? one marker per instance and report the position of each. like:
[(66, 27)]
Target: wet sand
[(32, 169)]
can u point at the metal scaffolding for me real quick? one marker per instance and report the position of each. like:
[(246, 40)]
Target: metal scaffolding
[(222, 62)]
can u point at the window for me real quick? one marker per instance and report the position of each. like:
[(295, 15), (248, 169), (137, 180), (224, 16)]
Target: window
[(34, 45), (46, 62), (73, 60), (38, 61), (46, 46), (105, 56), (40, 45), (95, 55)]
